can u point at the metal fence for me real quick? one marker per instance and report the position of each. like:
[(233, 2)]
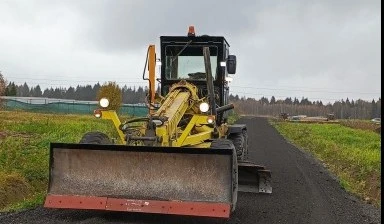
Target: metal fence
[(47, 105)]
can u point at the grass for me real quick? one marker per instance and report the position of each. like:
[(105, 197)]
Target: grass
[(24, 152), (352, 154), (233, 117)]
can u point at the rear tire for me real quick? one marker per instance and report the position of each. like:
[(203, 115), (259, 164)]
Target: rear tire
[(98, 138)]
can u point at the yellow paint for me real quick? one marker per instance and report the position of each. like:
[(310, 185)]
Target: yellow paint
[(197, 138), (182, 99), (112, 115)]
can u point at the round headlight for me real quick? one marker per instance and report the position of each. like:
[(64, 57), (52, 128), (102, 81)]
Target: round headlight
[(204, 107), (104, 102)]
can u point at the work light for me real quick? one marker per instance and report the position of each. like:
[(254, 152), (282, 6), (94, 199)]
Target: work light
[(204, 107), (104, 102)]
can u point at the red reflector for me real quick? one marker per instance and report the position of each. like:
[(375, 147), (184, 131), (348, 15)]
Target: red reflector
[(97, 113)]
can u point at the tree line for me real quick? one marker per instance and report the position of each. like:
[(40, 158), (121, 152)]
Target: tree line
[(130, 95), (342, 109)]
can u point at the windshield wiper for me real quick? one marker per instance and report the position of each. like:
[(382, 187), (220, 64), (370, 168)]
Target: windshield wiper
[(177, 55)]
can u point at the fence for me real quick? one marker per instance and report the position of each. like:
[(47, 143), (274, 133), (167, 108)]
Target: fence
[(47, 105)]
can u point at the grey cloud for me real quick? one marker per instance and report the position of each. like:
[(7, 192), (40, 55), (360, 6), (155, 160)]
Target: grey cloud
[(123, 25)]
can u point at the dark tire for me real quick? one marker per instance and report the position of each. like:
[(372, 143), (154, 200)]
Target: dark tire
[(98, 138), (228, 144), (240, 144)]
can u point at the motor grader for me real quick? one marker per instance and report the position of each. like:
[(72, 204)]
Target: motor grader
[(183, 158)]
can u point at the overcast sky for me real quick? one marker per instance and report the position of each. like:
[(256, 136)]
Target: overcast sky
[(323, 50)]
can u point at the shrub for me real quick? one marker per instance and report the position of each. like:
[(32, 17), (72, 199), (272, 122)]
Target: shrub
[(112, 92)]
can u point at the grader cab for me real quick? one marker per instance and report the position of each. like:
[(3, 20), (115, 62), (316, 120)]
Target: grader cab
[(183, 158)]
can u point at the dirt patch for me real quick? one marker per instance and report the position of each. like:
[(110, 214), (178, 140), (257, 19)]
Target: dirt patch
[(13, 187), (24, 135), (374, 192)]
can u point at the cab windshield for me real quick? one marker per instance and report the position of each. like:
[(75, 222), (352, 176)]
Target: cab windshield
[(187, 62)]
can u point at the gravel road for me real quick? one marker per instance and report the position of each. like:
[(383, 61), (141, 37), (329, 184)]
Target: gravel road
[(303, 192)]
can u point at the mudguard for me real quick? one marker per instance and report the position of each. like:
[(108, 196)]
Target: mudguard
[(236, 128)]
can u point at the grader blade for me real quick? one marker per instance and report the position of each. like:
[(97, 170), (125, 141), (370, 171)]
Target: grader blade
[(254, 178), (166, 180)]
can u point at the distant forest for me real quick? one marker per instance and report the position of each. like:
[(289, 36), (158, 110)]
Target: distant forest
[(342, 109), (88, 92)]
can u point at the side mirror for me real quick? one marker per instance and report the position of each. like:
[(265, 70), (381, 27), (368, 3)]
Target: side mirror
[(231, 64)]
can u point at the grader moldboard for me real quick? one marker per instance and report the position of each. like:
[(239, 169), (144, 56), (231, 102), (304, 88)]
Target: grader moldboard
[(181, 159)]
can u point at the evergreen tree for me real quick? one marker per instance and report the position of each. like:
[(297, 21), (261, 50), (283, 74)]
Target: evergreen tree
[(273, 100), (296, 101), (288, 100), (37, 91), (13, 91), (70, 93), (24, 90), (373, 109)]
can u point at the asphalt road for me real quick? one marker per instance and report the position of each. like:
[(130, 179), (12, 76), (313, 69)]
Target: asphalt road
[(303, 192)]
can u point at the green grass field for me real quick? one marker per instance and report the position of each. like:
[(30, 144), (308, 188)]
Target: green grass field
[(352, 154), (24, 151)]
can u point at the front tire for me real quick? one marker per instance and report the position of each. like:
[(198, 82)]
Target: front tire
[(98, 138), (240, 141)]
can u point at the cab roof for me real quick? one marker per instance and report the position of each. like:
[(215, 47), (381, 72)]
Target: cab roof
[(195, 39)]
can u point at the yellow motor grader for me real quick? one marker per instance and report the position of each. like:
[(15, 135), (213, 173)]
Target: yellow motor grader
[(183, 158)]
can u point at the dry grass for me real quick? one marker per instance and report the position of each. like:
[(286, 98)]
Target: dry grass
[(361, 124), (13, 188)]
